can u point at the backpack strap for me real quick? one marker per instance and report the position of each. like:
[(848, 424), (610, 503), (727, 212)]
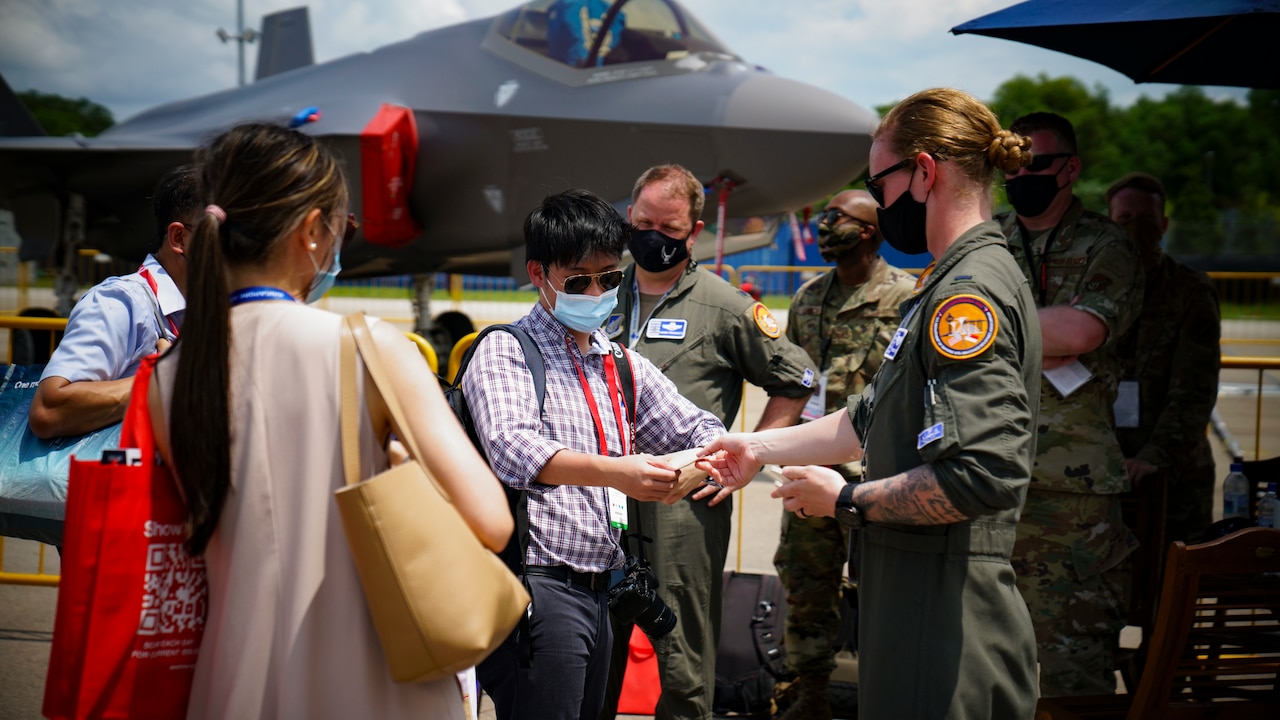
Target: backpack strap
[(532, 358)]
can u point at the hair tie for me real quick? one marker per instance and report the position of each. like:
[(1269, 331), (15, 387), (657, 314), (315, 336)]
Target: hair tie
[(218, 213)]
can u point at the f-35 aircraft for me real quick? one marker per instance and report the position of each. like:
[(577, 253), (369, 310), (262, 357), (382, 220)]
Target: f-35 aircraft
[(451, 137)]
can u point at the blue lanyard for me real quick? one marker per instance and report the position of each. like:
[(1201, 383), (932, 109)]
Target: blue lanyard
[(259, 292)]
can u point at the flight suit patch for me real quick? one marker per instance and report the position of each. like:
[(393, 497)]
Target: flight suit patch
[(765, 321), (613, 326), (666, 328), (963, 327)]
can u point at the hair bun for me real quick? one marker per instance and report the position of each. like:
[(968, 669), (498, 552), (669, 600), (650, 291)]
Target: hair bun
[(1009, 150)]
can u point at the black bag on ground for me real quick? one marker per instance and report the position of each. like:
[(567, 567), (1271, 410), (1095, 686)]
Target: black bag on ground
[(750, 659)]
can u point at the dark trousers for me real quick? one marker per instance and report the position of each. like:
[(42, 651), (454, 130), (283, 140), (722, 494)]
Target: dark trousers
[(690, 545), (570, 664)]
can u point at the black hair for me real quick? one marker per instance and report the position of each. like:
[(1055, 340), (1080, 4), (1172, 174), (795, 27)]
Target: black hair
[(1052, 122), (570, 226), (175, 199), (265, 180)]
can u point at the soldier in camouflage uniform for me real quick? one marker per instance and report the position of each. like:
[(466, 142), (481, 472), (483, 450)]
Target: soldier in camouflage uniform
[(1072, 541), (844, 319), (1171, 358)]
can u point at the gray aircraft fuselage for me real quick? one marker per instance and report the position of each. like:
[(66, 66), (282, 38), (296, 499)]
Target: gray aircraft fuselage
[(500, 126)]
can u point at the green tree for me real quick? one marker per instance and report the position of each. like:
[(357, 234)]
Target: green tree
[(60, 115)]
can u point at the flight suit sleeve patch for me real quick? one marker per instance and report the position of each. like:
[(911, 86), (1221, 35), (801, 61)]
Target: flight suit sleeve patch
[(963, 327), (765, 321)]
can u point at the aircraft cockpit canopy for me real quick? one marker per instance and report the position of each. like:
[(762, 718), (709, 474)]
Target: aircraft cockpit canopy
[(638, 31)]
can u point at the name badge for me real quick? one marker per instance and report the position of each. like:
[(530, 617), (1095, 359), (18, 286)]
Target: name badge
[(617, 508), (816, 408), (929, 435), (1127, 404), (666, 329), (891, 352)]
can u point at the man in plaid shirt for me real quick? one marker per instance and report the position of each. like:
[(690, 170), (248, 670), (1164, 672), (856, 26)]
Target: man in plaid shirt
[(577, 460)]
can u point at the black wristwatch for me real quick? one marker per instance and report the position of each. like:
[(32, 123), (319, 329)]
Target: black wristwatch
[(848, 514)]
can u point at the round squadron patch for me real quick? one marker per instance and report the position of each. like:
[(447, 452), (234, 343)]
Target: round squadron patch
[(765, 321), (963, 327)]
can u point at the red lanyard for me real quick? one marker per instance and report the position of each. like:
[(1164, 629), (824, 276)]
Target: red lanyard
[(615, 401), (155, 290)]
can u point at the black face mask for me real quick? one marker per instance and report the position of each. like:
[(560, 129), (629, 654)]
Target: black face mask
[(903, 223), (655, 252), (1031, 195)]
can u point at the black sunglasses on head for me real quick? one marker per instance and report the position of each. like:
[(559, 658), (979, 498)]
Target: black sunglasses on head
[(579, 284), (1043, 161)]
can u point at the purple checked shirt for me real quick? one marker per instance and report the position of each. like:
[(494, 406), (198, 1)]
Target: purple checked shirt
[(569, 524)]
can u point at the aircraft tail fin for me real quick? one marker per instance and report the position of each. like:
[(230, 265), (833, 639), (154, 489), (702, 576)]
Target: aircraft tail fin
[(15, 119), (286, 42)]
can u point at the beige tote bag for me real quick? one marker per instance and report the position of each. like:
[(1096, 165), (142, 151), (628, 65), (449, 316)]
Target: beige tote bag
[(440, 600)]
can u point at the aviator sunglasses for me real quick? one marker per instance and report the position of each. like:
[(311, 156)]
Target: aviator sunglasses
[(1042, 162), (579, 284)]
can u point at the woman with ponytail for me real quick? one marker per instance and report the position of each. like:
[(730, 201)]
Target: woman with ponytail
[(250, 402)]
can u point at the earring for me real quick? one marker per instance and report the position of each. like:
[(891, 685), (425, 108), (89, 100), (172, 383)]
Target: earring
[(313, 246)]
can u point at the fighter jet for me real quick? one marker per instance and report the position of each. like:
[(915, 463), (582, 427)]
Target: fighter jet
[(451, 137)]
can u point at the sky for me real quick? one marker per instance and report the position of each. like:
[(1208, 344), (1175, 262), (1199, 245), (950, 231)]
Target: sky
[(130, 55)]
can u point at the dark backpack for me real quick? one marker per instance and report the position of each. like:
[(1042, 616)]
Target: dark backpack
[(514, 553), (751, 656)]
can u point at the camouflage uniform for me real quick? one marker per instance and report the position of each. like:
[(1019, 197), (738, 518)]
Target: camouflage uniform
[(1071, 540), (1172, 351), (845, 334)]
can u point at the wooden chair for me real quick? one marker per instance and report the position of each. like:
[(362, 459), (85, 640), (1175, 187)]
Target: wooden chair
[(1215, 652), (1144, 513)]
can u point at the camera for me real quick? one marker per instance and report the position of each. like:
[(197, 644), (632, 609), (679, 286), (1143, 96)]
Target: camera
[(634, 600)]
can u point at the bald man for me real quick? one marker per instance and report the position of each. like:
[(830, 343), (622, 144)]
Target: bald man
[(844, 319)]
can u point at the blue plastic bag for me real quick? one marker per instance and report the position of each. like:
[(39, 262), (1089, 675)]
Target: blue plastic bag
[(33, 472)]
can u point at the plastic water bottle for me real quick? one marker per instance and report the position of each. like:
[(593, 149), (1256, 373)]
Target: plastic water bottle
[(1267, 507), (1235, 492)]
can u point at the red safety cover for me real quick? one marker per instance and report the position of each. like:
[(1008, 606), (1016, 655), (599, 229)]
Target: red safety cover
[(640, 686), (388, 157)]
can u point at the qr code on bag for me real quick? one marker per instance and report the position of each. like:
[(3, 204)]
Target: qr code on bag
[(174, 593)]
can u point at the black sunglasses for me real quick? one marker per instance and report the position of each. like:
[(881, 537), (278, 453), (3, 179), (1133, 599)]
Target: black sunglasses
[(1042, 162), (579, 284), (832, 217), (875, 183), (352, 226)]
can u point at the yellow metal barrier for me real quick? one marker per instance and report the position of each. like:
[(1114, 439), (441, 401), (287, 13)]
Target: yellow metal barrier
[(38, 578), (424, 347), (1262, 365)]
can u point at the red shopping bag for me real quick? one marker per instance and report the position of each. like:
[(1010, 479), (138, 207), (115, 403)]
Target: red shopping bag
[(132, 601), (640, 685)]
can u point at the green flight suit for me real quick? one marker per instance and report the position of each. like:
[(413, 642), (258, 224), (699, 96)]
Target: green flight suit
[(1172, 353), (943, 632), (707, 337), (845, 335), (1072, 541)]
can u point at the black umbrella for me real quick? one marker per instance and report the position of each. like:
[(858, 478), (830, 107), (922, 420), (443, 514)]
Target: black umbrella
[(1188, 42)]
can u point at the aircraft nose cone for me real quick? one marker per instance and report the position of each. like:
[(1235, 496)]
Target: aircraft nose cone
[(792, 143)]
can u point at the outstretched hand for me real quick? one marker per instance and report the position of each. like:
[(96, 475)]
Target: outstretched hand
[(731, 460)]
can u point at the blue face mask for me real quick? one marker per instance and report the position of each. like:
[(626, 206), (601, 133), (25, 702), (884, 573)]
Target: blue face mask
[(584, 313), (324, 279)]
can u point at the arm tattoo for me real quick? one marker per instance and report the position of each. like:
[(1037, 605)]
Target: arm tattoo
[(911, 498)]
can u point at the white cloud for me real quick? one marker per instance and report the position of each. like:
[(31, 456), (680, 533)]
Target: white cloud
[(132, 54)]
